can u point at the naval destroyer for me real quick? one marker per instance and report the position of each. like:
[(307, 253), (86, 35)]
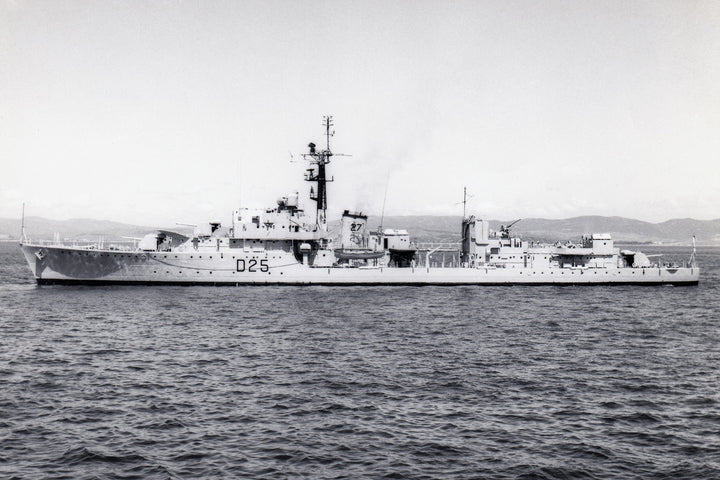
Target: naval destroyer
[(290, 243)]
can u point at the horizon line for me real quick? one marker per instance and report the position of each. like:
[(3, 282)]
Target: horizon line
[(19, 219)]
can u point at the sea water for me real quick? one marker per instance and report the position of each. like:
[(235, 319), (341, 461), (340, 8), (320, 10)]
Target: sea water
[(359, 382)]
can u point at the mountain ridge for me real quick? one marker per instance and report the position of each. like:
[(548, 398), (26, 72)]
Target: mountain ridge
[(422, 228)]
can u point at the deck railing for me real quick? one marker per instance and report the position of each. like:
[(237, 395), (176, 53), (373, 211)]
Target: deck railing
[(121, 245)]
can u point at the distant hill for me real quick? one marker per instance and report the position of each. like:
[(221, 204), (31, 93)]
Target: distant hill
[(81, 229), (422, 228), (447, 228)]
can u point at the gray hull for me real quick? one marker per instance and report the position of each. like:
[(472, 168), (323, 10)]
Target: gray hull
[(62, 265)]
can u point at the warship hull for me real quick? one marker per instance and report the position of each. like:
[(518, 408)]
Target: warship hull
[(290, 244), (62, 265)]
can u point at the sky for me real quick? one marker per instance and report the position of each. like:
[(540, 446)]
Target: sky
[(156, 112)]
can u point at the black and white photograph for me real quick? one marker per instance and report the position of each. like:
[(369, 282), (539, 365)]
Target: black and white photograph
[(348, 239)]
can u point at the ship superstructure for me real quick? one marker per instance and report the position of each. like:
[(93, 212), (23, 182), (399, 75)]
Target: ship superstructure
[(285, 244)]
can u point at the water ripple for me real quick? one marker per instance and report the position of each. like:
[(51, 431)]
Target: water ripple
[(400, 382)]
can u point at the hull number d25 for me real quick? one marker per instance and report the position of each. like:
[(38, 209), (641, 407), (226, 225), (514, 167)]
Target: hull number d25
[(252, 265)]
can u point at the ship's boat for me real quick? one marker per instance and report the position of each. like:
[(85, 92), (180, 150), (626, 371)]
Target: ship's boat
[(357, 254), (290, 243)]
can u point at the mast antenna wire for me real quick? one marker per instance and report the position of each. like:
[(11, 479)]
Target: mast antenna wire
[(22, 225), (327, 123), (464, 200), (382, 215), (692, 255), (240, 182)]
